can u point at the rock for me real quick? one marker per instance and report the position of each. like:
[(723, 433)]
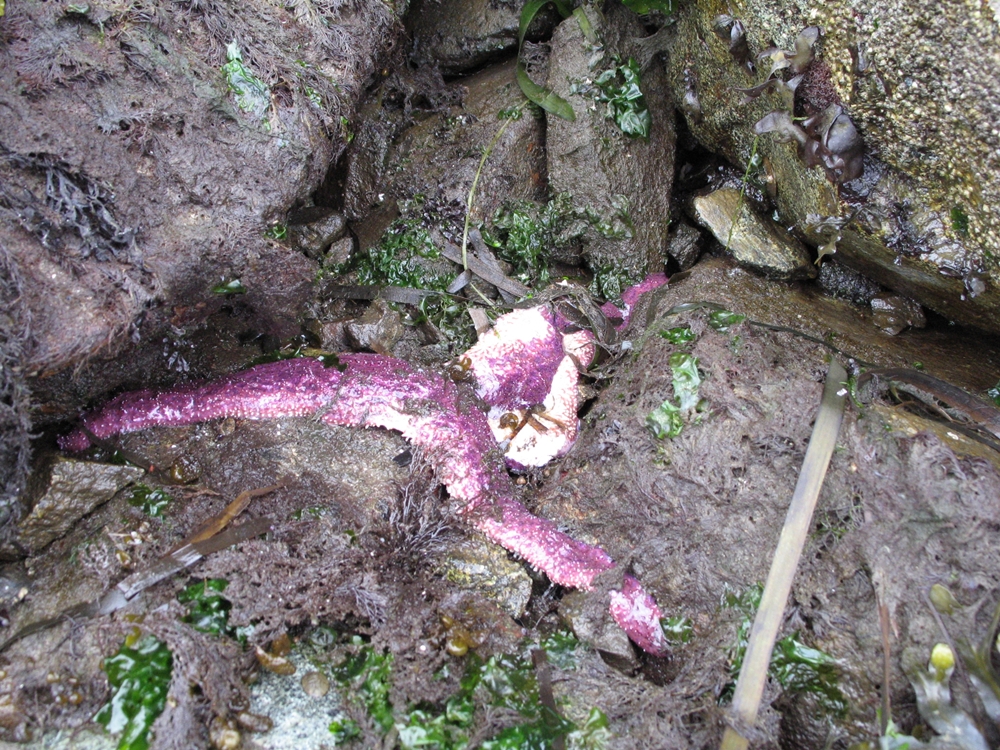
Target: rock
[(135, 177), (592, 625), (313, 230), (894, 314), (110, 171), (626, 181), (459, 35), (489, 569), (339, 251), (377, 330), (756, 242), (684, 245), (438, 156), (840, 281), (63, 494), (920, 83), (970, 361)]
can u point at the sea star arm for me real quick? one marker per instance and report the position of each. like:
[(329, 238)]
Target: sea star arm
[(429, 410)]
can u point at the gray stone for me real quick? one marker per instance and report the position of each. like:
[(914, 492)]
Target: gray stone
[(487, 568), (684, 245), (594, 626), (313, 230), (339, 251), (438, 156), (458, 35), (377, 330), (64, 494), (626, 181), (755, 242), (921, 83), (894, 314)]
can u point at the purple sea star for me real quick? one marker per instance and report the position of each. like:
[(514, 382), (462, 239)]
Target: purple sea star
[(435, 414)]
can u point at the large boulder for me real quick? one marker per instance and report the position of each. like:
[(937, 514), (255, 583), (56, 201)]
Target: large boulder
[(144, 155), (624, 180), (921, 85)]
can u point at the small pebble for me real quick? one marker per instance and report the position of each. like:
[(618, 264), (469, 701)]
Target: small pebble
[(315, 684)]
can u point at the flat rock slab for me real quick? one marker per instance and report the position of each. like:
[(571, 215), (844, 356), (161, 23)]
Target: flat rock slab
[(921, 84), (70, 490), (754, 241)]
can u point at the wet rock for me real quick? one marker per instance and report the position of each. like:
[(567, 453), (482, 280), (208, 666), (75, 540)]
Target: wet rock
[(591, 624), (970, 361), (488, 568), (314, 229), (121, 215), (437, 157), (341, 471), (919, 220), (377, 330), (697, 517), (62, 494), (340, 251), (840, 281), (894, 314), (755, 242), (625, 181), (84, 147), (459, 35), (684, 245)]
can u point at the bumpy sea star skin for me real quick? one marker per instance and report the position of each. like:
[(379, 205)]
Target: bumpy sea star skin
[(429, 410)]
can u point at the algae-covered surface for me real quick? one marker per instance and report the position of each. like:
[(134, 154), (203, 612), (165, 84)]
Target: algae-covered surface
[(352, 577)]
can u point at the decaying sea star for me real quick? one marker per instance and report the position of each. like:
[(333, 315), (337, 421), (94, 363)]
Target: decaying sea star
[(524, 362)]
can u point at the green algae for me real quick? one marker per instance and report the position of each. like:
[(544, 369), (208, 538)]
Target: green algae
[(252, 94), (504, 681), (668, 419), (228, 288), (798, 668), (619, 89), (152, 501), (208, 610), (679, 335), (139, 678)]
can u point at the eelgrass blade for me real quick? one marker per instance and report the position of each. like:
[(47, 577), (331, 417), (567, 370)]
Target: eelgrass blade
[(750, 684)]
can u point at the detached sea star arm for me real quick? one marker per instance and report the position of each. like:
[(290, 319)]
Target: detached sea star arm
[(429, 410)]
